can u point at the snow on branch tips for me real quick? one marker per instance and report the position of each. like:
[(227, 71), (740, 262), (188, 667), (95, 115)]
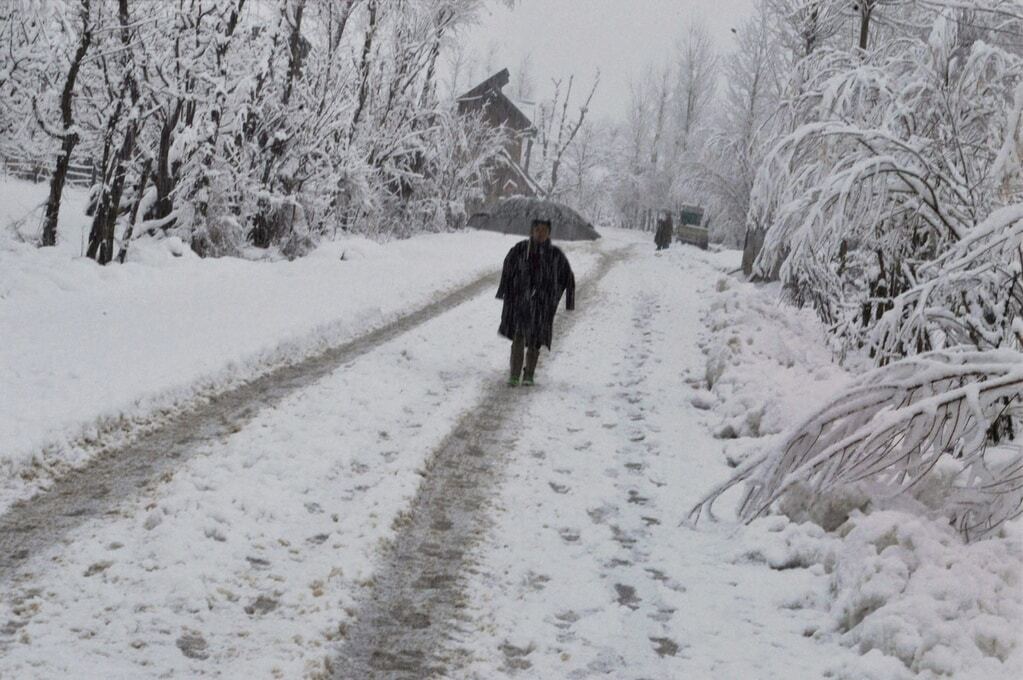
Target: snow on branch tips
[(895, 426), (892, 157), (971, 295)]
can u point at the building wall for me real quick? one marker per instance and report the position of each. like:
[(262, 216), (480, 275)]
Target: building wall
[(500, 111)]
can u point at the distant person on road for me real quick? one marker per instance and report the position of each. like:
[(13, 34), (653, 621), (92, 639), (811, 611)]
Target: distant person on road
[(535, 275), (662, 237)]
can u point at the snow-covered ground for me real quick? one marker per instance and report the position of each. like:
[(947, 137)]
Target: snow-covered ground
[(588, 572), (244, 561), (249, 559), (90, 354)]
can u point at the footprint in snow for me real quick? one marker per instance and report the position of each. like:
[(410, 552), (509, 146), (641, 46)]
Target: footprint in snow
[(665, 646), (636, 499), (627, 596), (261, 605), (193, 645), (558, 488), (568, 535)]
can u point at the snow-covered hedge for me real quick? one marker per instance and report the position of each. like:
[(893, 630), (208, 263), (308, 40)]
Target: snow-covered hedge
[(895, 581)]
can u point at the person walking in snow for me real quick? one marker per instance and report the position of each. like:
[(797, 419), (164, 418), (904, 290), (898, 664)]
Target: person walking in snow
[(535, 276), (662, 237)]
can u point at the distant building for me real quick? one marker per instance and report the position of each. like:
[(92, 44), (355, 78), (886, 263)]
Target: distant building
[(512, 178)]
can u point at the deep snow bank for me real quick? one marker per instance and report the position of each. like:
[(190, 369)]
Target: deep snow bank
[(90, 353), (902, 588)]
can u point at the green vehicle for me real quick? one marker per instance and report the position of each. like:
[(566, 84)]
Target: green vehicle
[(691, 228)]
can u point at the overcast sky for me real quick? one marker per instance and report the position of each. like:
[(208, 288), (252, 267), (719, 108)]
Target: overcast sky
[(622, 38)]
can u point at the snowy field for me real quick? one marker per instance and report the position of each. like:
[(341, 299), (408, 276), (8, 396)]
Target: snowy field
[(91, 354), (799, 461), (249, 560)]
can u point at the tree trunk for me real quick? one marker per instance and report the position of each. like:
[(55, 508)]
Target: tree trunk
[(364, 66), (866, 9), (57, 190), (101, 201), (101, 239), (294, 52), (106, 245), (143, 181), (164, 179), (69, 137)]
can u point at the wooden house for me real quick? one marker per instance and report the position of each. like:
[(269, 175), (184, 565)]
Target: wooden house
[(512, 177)]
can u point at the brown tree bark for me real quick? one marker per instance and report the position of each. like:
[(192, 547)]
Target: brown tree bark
[(165, 179), (101, 238), (69, 138), (866, 10), (105, 251), (143, 181), (364, 66)]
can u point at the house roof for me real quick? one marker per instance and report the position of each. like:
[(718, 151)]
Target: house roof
[(522, 174), (490, 89)]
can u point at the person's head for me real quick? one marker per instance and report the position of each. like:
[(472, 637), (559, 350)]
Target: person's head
[(540, 230)]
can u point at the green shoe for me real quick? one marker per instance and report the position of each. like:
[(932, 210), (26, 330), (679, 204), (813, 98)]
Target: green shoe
[(513, 382), (527, 382)]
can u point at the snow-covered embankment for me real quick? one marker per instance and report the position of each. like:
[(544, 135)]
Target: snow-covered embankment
[(92, 354), (899, 585)]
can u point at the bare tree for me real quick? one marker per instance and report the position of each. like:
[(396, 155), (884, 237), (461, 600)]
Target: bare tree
[(67, 134), (743, 127), (696, 82), (557, 130), (523, 87)]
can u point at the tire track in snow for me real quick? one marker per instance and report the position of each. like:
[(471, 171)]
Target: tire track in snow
[(119, 474), (404, 624)]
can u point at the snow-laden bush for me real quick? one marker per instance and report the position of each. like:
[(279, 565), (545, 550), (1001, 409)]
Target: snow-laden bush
[(886, 574), (896, 155), (892, 426), (229, 123), (970, 295)]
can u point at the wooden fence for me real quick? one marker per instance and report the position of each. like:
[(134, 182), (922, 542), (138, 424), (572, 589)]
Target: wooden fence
[(40, 170)]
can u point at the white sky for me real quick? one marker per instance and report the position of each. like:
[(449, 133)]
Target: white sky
[(620, 37)]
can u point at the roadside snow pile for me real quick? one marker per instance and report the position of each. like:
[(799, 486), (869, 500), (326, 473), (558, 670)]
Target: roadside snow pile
[(767, 363), (906, 593), (911, 589), (896, 583), (91, 354)]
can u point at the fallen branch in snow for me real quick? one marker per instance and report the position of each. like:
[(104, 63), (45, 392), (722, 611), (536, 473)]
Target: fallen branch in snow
[(891, 427)]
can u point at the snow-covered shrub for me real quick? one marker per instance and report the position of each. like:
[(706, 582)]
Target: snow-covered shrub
[(892, 426), (888, 574), (897, 154), (970, 295), (213, 121), (894, 210)]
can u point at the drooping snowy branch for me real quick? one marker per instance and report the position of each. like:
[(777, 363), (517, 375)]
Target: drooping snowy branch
[(890, 428)]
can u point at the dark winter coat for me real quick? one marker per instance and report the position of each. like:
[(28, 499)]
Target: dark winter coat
[(663, 235), (532, 282)]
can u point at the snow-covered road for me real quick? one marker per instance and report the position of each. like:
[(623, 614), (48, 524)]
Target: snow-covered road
[(286, 543), (113, 477), (587, 572)]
